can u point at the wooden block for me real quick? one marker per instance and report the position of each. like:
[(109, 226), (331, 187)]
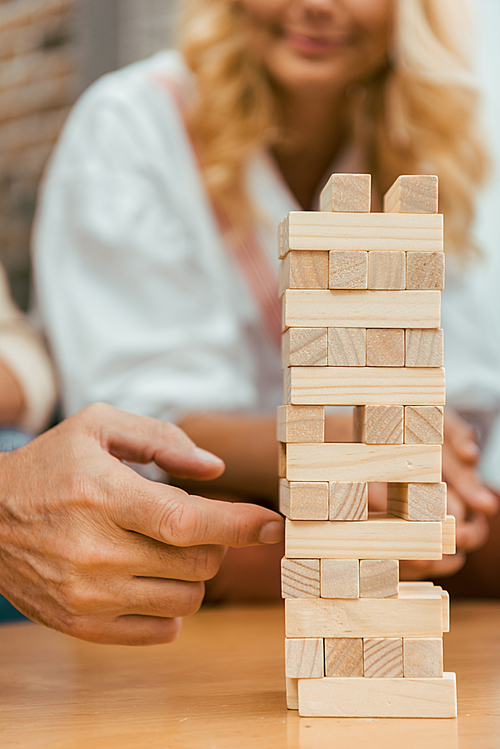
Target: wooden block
[(361, 309), (424, 348), (378, 698), (305, 347), (359, 386), (424, 425), (301, 424), (449, 535), (386, 270), (405, 616), (303, 270), (385, 348), (280, 240), (383, 657), (344, 657), (304, 658), (364, 232), (422, 502), (300, 578), (413, 193), (423, 658), (304, 500), (348, 501), (348, 270), (339, 578), (378, 425), (347, 192), (380, 537), (425, 270), (292, 694), (341, 462), (282, 460), (378, 578), (346, 347)]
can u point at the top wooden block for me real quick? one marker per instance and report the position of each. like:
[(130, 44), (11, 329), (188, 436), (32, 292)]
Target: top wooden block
[(396, 232), (415, 193), (347, 193)]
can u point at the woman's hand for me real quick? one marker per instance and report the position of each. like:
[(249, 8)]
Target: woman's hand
[(468, 500), (90, 548)]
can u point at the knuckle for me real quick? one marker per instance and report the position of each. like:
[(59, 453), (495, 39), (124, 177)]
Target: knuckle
[(193, 598), (177, 521)]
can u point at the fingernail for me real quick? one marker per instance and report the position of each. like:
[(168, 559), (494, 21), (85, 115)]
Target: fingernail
[(207, 457), (272, 532)]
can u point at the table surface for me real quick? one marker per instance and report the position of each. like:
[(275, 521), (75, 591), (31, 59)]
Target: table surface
[(220, 686)]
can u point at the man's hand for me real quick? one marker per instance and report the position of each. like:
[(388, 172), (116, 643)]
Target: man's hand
[(90, 548)]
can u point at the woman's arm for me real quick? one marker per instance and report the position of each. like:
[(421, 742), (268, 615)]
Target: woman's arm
[(11, 397), (247, 444)]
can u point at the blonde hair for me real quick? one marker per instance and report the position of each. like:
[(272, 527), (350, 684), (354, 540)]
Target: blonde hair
[(420, 115)]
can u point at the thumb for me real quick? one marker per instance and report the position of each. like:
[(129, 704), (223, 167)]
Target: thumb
[(174, 517), (140, 439)]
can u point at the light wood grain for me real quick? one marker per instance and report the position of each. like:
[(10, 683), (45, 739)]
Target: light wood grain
[(292, 693), (305, 347), (300, 578), (348, 270), (382, 657), (361, 309), (221, 684), (346, 347), (380, 537), (364, 617), (301, 424), (343, 657), (281, 243), (386, 270), (348, 501), (424, 425), (378, 425), (385, 347), (423, 658), (359, 463), (378, 578), (304, 658), (359, 386), (282, 460), (347, 192), (379, 698), (303, 270), (320, 230), (424, 348), (339, 578), (422, 502), (425, 270), (413, 193), (304, 500), (449, 535)]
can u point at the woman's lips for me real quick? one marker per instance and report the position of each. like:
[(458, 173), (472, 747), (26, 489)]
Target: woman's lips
[(314, 45)]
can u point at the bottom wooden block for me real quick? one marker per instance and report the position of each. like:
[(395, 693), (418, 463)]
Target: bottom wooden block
[(292, 694), (378, 698)]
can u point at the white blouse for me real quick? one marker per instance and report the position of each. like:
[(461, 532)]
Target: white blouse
[(145, 305)]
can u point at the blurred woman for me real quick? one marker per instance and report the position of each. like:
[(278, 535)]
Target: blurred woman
[(155, 245)]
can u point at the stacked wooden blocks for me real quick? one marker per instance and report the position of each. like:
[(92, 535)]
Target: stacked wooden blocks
[(361, 317)]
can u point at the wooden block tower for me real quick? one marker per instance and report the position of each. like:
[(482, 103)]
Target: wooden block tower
[(361, 320)]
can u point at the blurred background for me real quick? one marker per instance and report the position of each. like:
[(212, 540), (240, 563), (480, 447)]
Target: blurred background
[(51, 50)]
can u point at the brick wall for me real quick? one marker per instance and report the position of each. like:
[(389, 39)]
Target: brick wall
[(37, 86)]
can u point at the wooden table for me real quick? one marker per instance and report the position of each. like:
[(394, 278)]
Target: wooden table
[(220, 685)]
